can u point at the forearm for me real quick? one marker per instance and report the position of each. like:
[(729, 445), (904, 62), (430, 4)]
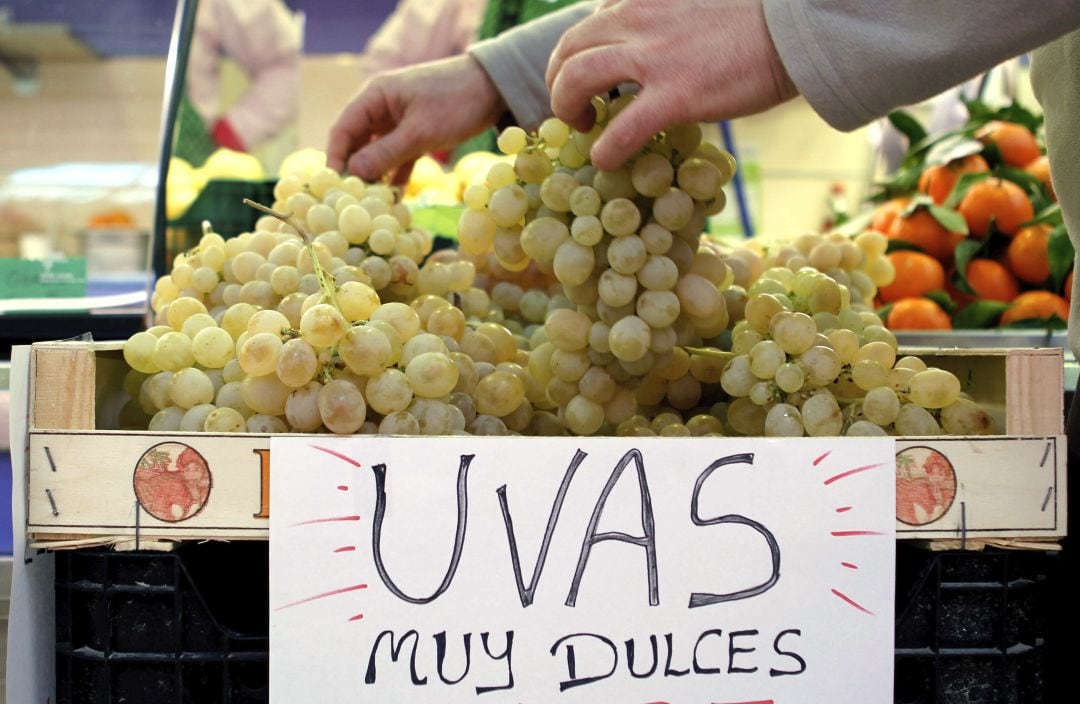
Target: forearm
[(855, 61), (515, 61)]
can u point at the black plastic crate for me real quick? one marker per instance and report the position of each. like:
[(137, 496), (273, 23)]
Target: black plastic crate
[(163, 628), (192, 626), (971, 626)]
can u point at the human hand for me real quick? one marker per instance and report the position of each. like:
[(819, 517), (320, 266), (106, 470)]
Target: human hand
[(695, 60), (401, 115)]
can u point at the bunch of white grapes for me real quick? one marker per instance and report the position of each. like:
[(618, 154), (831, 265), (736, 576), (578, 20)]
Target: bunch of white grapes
[(579, 301), (807, 361), (301, 328), (626, 248), (858, 263)]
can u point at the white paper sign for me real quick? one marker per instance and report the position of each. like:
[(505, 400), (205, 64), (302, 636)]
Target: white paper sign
[(624, 570)]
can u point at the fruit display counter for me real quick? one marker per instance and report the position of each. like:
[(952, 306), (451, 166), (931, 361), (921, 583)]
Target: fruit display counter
[(578, 303)]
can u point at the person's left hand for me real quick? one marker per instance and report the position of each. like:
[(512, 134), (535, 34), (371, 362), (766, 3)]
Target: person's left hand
[(400, 115), (695, 60)]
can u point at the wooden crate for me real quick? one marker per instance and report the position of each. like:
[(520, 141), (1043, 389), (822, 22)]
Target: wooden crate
[(84, 482)]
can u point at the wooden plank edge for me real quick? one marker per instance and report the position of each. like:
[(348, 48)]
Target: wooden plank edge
[(979, 544)]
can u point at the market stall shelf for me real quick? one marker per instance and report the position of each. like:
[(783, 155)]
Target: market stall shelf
[(89, 484)]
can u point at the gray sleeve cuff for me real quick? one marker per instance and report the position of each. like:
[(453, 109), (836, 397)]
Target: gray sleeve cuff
[(810, 68), (517, 59)]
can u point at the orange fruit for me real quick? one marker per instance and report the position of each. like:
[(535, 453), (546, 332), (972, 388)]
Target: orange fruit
[(1036, 304), (991, 280), (922, 230), (938, 181), (887, 212), (1040, 169), (1016, 143), (917, 314), (916, 274), (1028, 254), (999, 200)]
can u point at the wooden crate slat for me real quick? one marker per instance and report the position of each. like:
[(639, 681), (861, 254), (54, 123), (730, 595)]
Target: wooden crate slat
[(1008, 487), (63, 388), (1005, 487), (1035, 394)]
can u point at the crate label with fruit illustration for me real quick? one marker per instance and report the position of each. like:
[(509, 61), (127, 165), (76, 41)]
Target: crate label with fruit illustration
[(103, 485), (587, 569)]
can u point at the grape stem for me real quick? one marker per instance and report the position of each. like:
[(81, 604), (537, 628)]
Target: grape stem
[(710, 352), (326, 280)]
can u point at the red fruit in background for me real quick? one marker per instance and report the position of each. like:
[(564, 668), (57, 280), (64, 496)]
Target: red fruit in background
[(997, 200), (1040, 169), (916, 274), (938, 181), (1028, 255), (917, 314), (991, 280), (887, 212), (1037, 305), (925, 232), (1016, 143)]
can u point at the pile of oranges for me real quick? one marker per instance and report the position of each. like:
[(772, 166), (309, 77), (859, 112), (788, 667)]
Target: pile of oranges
[(955, 247)]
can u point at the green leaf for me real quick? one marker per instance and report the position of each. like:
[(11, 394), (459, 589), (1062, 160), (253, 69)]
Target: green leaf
[(901, 183), (1019, 114), (917, 153), (883, 311), (1060, 252), (943, 299), (961, 187), (917, 201), (979, 315), (949, 219), (965, 252), (908, 126), (955, 147), (1051, 323), (902, 246), (1040, 199), (856, 224), (438, 219), (1050, 215), (979, 112)]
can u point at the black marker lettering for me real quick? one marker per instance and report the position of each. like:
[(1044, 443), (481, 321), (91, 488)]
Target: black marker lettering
[(459, 534), (698, 669), (733, 651), (525, 593), (647, 541), (440, 656), (699, 599), (668, 670), (395, 653), (630, 649), (507, 654), (571, 661), (787, 653)]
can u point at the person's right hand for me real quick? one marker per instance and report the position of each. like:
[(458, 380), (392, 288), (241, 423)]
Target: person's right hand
[(694, 60), (401, 115)]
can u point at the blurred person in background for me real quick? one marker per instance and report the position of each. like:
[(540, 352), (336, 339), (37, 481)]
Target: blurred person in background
[(263, 39), (421, 30)]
